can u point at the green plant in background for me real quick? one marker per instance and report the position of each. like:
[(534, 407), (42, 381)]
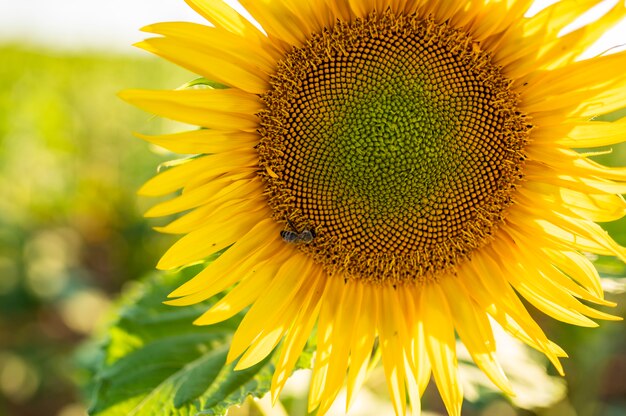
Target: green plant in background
[(71, 227), (155, 364)]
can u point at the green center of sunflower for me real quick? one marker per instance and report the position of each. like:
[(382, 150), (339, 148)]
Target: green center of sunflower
[(390, 147)]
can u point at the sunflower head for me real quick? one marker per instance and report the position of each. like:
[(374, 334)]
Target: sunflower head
[(397, 139), (394, 174)]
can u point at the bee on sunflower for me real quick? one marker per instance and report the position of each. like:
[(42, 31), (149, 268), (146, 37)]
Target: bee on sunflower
[(420, 157)]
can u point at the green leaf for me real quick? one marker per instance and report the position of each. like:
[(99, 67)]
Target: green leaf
[(155, 361), (204, 83)]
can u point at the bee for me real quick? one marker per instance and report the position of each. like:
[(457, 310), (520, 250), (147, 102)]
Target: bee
[(306, 236), (289, 236), (295, 236)]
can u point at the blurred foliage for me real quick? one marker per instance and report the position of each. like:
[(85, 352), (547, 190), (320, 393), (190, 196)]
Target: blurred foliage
[(153, 361), (72, 235), (71, 229)]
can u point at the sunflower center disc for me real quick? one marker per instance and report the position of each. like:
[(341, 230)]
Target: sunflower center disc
[(396, 140)]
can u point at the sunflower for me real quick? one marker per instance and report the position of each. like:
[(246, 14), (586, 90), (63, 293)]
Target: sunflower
[(389, 175)]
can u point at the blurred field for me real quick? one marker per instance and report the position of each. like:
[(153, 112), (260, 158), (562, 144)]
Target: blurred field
[(71, 233)]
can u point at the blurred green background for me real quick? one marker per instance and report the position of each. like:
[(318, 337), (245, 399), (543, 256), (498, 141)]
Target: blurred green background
[(72, 235), (71, 226)]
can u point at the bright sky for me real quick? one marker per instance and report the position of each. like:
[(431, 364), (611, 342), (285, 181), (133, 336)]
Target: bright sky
[(113, 24), (92, 24)]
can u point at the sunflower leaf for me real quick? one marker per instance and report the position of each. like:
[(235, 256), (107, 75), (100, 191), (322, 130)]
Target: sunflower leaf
[(203, 83), (154, 361)]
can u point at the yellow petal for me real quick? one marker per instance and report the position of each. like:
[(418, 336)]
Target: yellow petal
[(419, 362), (278, 21), (441, 347), (222, 15), (260, 243), (243, 294), (482, 279), (340, 336), (228, 109), (392, 337), (579, 268), (210, 64), (325, 340), (570, 80), (203, 141), (222, 42), (224, 229), (475, 330), (299, 334), (272, 303), (542, 269), (218, 191), (596, 133), (362, 340), (206, 167)]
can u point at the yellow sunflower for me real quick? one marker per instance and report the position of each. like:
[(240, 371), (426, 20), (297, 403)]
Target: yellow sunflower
[(391, 173)]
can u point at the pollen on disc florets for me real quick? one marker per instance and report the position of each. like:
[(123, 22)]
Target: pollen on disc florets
[(396, 140)]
